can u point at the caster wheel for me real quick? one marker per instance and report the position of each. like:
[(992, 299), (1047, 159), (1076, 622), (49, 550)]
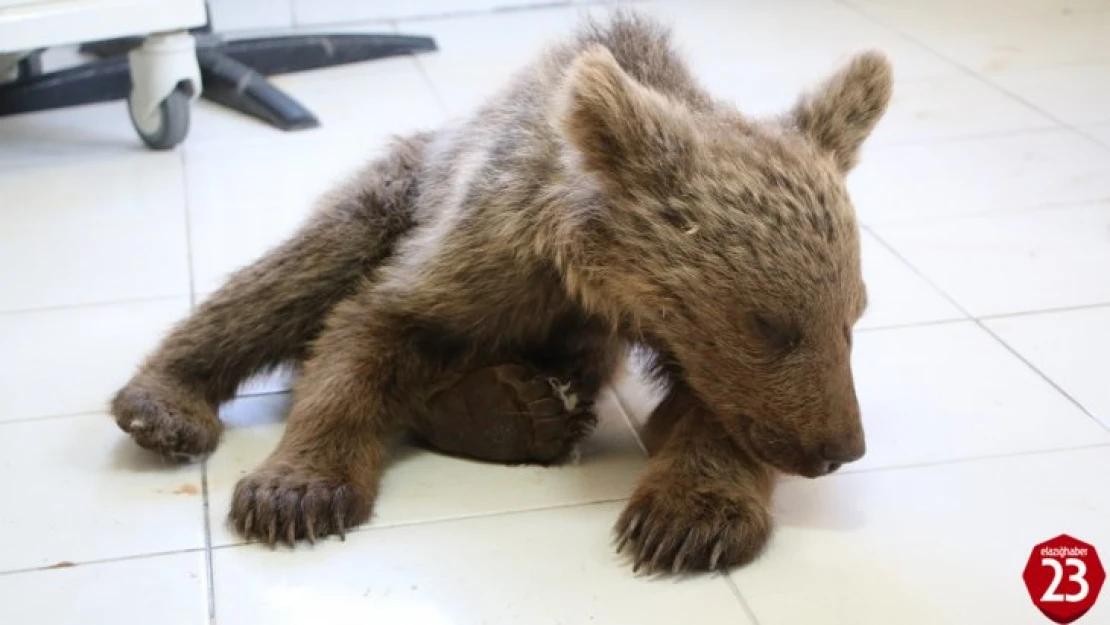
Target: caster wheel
[(168, 125), (30, 66)]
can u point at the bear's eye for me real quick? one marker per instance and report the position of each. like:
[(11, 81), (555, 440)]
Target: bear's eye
[(779, 336)]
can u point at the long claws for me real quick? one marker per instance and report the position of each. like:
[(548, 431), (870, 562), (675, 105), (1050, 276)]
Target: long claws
[(275, 509), (656, 558), (622, 540), (650, 539), (627, 533), (683, 552), (339, 526), (309, 530), (291, 533), (634, 523), (715, 557)]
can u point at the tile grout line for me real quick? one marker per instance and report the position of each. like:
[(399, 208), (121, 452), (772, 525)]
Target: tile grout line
[(1046, 311), (627, 416), (735, 588), (439, 100), (930, 141), (210, 593), (1081, 130), (973, 73), (104, 410), (908, 326), (449, 15), (958, 461), (538, 7), (127, 558), (991, 317), (68, 415), (95, 304), (188, 229), (1040, 207), (1051, 382), (369, 526), (979, 322), (209, 569)]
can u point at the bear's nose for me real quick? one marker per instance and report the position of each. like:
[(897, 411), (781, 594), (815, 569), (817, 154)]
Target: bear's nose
[(838, 454)]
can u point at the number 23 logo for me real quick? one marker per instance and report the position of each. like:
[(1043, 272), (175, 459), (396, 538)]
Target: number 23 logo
[(1079, 577)]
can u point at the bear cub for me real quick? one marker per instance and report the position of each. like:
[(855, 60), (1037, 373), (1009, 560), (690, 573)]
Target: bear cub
[(477, 286)]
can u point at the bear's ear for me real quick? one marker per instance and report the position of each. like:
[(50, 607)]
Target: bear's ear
[(623, 131), (843, 111)]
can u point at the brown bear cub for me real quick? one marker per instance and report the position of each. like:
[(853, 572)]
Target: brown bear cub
[(479, 285)]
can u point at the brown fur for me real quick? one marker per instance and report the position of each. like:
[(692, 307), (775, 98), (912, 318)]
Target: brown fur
[(601, 200)]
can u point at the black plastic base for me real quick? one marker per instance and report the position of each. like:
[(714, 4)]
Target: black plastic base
[(232, 72)]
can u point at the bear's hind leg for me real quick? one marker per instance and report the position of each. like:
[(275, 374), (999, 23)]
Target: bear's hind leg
[(535, 407), (508, 413)]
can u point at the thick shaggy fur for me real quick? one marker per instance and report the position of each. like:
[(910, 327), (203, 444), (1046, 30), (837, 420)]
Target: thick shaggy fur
[(601, 200)]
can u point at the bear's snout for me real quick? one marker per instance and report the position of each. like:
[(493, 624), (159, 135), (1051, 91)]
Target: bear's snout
[(833, 455)]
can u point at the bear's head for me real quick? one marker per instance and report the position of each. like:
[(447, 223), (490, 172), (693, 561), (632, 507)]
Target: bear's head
[(732, 245)]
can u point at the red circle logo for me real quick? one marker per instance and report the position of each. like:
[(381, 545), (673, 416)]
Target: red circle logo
[(1064, 577)]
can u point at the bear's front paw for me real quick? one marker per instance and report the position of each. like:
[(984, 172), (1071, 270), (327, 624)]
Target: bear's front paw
[(167, 418), (680, 528), (291, 503)]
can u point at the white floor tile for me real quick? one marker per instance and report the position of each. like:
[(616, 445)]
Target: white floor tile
[(367, 101), (801, 39), (549, 566), (998, 264), (1001, 35), (113, 230), (357, 103), (72, 360), (165, 589), (77, 489), (896, 294), (1075, 95), (245, 200), (761, 56), (422, 486), (102, 130), (951, 391), (230, 15), (918, 183), (726, 44), (952, 107), (478, 54), (331, 11), (1071, 347), (68, 134), (1100, 133), (931, 545)]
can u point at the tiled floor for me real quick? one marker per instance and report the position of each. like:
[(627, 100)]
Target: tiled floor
[(982, 365)]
